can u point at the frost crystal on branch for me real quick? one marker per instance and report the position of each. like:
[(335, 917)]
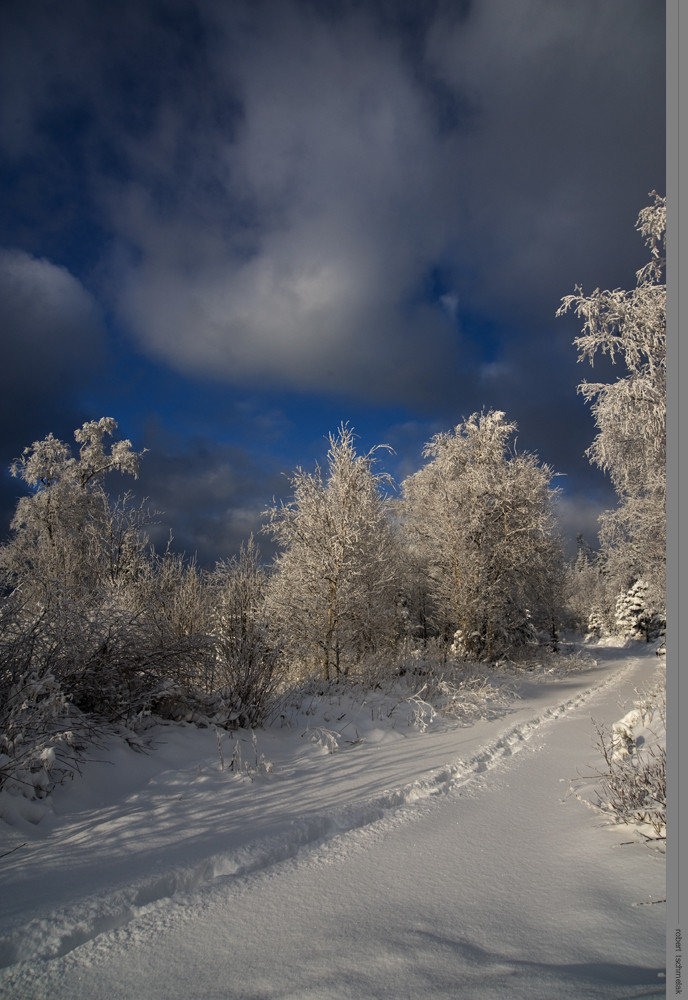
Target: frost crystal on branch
[(480, 519), (333, 591), (630, 413)]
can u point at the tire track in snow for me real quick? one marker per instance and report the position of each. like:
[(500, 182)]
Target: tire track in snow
[(65, 930)]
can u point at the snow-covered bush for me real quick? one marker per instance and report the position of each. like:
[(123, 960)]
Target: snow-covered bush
[(174, 605), (633, 781), (248, 661), (97, 630), (446, 684), (596, 624), (79, 646), (461, 646), (245, 765), (41, 733), (515, 638)]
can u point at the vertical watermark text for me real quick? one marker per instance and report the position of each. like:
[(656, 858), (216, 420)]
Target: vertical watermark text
[(678, 963)]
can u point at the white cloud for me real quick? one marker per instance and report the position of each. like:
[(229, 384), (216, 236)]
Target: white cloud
[(578, 514), (493, 370), (52, 340)]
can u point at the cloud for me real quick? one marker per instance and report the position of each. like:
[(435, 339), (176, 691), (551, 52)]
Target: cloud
[(52, 332), (279, 178), (48, 318), (324, 223), (297, 252), (566, 97), (209, 496)]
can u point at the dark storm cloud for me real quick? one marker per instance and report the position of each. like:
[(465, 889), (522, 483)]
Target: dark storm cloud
[(208, 496), (569, 142), (284, 185), (299, 252), (52, 336)]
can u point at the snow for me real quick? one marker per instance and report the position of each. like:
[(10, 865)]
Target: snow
[(361, 849)]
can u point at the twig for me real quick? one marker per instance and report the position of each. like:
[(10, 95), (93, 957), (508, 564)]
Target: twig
[(17, 848)]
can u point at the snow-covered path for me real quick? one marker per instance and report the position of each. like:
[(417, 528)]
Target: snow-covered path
[(471, 871)]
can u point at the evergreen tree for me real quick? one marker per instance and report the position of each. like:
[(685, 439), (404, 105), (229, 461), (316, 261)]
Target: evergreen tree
[(634, 618)]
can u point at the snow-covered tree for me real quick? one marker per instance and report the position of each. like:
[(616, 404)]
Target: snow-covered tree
[(586, 598), (71, 642), (174, 605), (482, 515), (248, 662), (67, 537), (100, 614), (333, 592), (634, 616), (630, 413)]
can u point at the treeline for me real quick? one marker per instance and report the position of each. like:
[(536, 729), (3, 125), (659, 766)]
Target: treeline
[(97, 628)]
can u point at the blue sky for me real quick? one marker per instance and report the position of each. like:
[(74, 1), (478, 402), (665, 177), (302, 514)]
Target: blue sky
[(232, 225)]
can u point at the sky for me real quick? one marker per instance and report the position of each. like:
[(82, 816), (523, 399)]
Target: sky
[(233, 225)]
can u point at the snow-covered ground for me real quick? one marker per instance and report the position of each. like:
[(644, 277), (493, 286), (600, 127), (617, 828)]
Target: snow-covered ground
[(356, 849)]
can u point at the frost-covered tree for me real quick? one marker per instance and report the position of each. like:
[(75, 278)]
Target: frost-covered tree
[(107, 620), (248, 662), (174, 606), (68, 566), (333, 591), (67, 537), (71, 639), (482, 515), (586, 599), (630, 413)]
